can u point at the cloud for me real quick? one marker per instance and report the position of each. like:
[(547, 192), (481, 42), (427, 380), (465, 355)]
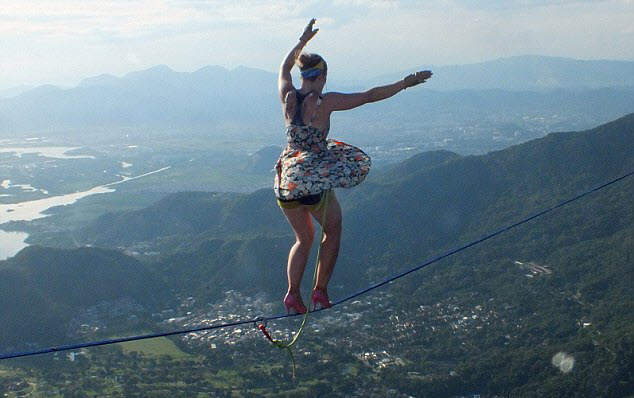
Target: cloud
[(360, 38), (380, 4), (133, 18), (450, 33), (68, 19), (518, 4)]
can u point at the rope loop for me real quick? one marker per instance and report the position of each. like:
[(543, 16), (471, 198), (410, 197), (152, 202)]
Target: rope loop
[(258, 320)]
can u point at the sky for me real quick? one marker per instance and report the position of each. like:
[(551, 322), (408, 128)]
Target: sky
[(63, 41)]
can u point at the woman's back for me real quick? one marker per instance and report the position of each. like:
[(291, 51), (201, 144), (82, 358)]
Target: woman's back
[(303, 109)]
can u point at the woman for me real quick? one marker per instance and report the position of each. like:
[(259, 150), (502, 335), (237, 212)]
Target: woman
[(311, 165)]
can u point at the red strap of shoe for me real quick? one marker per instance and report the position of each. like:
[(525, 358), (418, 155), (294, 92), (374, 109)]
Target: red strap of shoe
[(266, 333)]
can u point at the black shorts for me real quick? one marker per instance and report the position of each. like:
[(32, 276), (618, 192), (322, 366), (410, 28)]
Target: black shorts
[(313, 201)]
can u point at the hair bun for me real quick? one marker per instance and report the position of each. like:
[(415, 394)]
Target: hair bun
[(308, 60), (303, 61)]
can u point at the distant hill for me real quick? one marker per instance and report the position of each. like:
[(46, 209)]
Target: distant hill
[(213, 98), (14, 91), (184, 214), (530, 72), (41, 289), (415, 208), (262, 161), (157, 96), (487, 320), (466, 196), (495, 315)]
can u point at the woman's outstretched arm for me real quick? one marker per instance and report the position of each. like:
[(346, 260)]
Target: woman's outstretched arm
[(342, 102), (285, 81)]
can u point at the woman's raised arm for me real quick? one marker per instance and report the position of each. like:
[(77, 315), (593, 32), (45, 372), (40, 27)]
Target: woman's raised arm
[(285, 81), (341, 102)]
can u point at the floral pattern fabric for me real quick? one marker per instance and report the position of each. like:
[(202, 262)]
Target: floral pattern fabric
[(311, 164)]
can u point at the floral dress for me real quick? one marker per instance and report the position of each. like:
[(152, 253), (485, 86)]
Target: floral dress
[(311, 164)]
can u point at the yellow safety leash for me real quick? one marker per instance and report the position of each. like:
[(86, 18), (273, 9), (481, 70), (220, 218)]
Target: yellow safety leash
[(287, 346)]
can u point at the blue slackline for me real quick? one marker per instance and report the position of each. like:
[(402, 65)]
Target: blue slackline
[(272, 318)]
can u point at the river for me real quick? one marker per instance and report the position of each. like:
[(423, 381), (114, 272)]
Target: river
[(13, 242)]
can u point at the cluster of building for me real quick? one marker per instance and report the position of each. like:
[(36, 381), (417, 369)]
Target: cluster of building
[(534, 268), (378, 360), (234, 307), (105, 315)]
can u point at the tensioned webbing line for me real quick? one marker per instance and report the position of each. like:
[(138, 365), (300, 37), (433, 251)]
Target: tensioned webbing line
[(366, 290)]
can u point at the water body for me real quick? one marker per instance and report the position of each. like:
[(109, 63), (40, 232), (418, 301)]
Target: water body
[(6, 184), (34, 209), (12, 242), (48, 152)]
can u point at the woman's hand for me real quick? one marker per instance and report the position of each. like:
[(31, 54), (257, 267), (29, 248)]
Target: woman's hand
[(309, 32), (416, 78)]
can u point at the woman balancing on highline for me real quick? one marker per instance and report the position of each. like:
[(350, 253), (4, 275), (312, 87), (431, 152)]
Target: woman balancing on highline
[(311, 165)]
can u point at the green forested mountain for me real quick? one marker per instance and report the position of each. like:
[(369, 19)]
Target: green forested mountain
[(496, 319), (399, 216), (41, 289)]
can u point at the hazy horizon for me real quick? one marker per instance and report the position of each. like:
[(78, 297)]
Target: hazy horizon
[(351, 81), (64, 42)]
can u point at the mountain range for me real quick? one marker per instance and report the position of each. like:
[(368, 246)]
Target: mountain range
[(452, 196), (208, 243), (410, 210), (213, 98), (530, 73)]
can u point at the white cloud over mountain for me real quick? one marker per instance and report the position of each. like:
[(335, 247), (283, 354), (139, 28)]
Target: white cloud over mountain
[(63, 41)]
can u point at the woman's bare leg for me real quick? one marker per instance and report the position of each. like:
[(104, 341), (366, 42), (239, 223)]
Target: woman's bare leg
[(302, 225), (329, 249)]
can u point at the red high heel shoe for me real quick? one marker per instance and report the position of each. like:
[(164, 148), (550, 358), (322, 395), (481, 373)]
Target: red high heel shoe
[(321, 297), (295, 304)]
